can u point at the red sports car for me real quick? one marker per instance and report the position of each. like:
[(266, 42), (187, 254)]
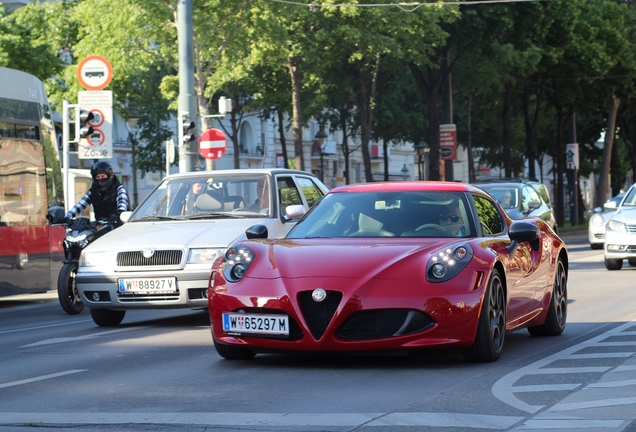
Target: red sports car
[(391, 266)]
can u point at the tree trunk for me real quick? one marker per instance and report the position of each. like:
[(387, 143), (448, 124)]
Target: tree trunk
[(531, 124), (281, 135), (345, 143), (469, 140), (507, 134), (297, 130), (559, 196), (365, 107), (610, 130)]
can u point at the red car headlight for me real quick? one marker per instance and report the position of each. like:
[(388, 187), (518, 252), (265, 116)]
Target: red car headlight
[(448, 262), (236, 262)]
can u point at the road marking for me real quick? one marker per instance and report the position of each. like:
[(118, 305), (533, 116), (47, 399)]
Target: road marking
[(593, 404), (78, 338), (504, 388), (41, 378), (571, 424), (46, 326), (269, 420), (612, 384)]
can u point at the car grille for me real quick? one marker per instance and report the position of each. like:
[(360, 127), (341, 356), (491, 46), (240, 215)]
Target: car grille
[(141, 298), (631, 229), (383, 323), (599, 236), (159, 258), (631, 248), (294, 329), (318, 314)]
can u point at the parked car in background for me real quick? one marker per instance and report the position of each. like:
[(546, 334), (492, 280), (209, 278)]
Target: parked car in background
[(391, 266), (620, 233), (596, 225), (161, 257), (522, 198)]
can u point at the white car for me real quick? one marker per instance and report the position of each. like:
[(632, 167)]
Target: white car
[(620, 233), (162, 256), (596, 225)]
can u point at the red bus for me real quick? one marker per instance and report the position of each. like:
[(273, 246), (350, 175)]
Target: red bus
[(31, 252)]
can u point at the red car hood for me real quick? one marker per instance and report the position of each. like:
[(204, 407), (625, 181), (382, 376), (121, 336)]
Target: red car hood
[(347, 258)]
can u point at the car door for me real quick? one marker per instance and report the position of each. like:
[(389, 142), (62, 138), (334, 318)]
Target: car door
[(518, 266)]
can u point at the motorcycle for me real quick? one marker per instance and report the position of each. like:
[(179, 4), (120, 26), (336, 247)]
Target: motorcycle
[(80, 233)]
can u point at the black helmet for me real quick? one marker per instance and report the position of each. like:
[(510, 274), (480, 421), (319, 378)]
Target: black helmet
[(102, 168)]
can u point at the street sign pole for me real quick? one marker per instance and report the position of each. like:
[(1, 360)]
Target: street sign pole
[(65, 138), (187, 103)]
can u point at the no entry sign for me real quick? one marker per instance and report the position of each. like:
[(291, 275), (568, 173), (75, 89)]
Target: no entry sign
[(212, 144)]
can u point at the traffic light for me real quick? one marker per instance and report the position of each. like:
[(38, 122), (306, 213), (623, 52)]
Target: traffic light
[(187, 128), (85, 130)]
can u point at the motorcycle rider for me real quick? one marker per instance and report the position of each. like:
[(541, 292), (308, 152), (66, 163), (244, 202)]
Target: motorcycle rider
[(108, 196)]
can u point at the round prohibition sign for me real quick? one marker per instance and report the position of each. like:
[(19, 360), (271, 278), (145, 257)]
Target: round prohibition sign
[(94, 72), (97, 138), (98, 120)]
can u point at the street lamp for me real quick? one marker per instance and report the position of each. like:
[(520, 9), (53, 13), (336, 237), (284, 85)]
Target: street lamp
[(132, 121), (405, 172), (321, 136), (421, 150)]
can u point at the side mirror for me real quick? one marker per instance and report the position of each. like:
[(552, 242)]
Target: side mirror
[(597, 209), (521, 232), (533, 205), (610, 205), (125, 216), (55, 215), (256, 232), (294, 211)]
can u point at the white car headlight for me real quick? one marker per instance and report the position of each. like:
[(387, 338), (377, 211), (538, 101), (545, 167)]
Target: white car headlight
[(96, 259), (616, 226), (205, 256), (597, 220)]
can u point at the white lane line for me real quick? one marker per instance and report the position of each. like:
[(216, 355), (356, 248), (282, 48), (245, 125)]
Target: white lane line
[(78, 338), (593, 404), (571, 424), (572, 370), (41, 378), (600, 355), (477, 421), (625, 368), (612, 384), (46, 326), (545, 387), (268, 419), (504, 389)]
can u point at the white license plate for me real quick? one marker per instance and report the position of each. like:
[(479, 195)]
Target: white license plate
[(148, 286), (256, 323)]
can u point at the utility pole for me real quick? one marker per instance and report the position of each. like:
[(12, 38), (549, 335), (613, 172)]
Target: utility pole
[(187, 102), (447, 115), (572, 165)]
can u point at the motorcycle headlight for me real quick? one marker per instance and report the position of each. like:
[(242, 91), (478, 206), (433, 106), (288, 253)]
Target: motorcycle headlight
[(76, 239), (448, 262), (237, 260), (95, 259), (616, 226), (204, 256), (597, 220)]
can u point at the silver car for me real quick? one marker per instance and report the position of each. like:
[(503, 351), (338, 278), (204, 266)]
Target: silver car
[(596, 225), (620, 233), (161, 257)]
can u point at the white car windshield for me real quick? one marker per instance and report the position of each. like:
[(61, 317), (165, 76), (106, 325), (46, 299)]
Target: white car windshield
[(207, 196)]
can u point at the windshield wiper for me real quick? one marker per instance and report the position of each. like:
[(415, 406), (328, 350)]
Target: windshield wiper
[(153, 218), (215, 216)]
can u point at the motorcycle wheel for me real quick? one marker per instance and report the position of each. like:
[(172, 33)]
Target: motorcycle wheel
[(67, 290)]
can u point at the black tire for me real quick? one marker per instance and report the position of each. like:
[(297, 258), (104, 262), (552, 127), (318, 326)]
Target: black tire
[(558, 310), (613, 264), (491, 330), (67, 293), (231, 352), (107, 317), (632, 262), (596, 245)]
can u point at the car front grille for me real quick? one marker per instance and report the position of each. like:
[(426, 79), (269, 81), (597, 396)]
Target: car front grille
[(318, 315), (599, 236), (383, 323), (141, 298), (168, 257), (631, 229), (294, 329)]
